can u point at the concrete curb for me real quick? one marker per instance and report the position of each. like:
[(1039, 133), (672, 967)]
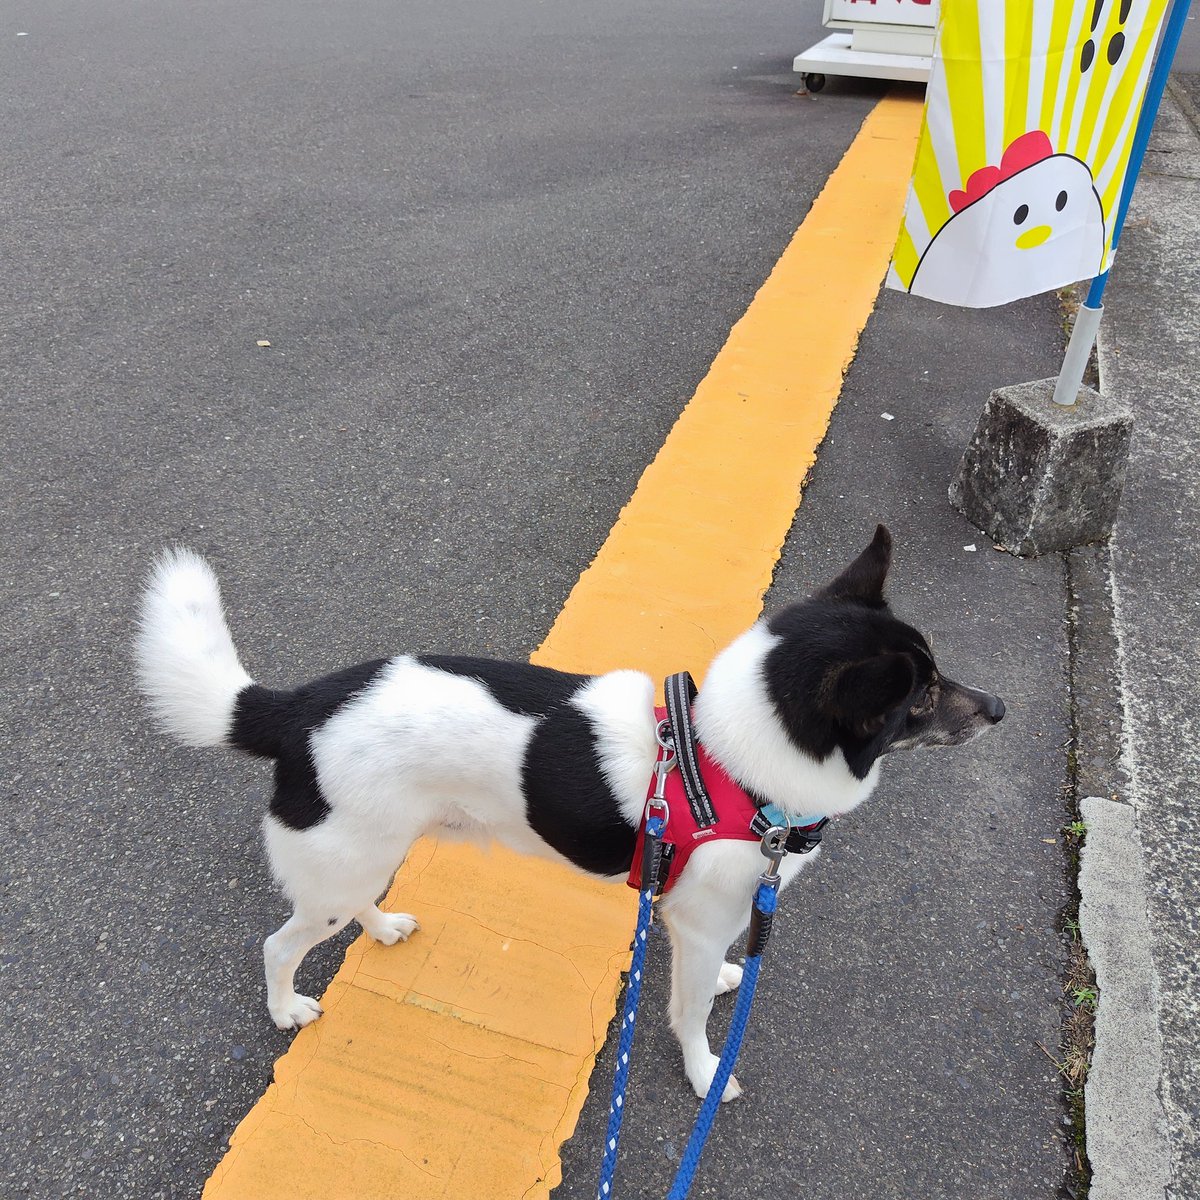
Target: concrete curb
[(1126, 1126), (1137, 886)]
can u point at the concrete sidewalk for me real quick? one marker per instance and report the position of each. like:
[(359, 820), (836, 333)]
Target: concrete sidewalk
[(1140, 880)]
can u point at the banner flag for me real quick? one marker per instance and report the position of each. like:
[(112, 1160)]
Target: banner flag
[(1029, 121)]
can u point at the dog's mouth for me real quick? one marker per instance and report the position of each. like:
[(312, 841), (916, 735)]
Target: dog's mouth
[(930, 739)]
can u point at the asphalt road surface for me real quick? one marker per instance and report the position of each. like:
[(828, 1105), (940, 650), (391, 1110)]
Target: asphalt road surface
[(493, 249)]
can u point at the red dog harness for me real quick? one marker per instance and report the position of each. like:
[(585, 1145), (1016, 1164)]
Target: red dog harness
[(734, 811), (704, 803)]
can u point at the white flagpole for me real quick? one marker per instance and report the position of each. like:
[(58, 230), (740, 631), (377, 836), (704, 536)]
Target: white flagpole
[(1087, 319)]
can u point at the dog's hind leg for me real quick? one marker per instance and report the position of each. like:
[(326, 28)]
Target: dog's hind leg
[(728, 978), (307, 927), (386, 927), (332, 875)]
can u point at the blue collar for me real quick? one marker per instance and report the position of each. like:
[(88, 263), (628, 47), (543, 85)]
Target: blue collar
[(777, 816)]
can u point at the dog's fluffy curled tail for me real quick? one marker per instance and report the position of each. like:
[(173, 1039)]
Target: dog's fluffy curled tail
[(188, 666)]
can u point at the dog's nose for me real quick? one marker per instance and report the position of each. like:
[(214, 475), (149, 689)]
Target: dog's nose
[(987, 705)]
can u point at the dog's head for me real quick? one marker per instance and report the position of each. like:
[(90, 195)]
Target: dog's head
[(846, 673)]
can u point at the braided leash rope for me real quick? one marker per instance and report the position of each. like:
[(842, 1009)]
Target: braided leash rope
[(633, 995)]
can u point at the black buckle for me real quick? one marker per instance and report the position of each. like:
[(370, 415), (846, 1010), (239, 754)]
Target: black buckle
[(807, 839), (800, 839)]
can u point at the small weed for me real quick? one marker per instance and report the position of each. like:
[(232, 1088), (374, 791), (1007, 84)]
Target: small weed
[(1085, 997), (1075, 829)]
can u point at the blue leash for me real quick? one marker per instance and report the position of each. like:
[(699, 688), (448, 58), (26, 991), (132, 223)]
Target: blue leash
[(765, 897), (633, 994), (764, 909)]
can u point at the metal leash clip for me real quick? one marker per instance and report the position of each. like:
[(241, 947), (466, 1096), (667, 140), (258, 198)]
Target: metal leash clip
[(657, 806), (774, 847)]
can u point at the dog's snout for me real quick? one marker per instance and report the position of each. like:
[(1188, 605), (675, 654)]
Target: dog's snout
[(987, 705)]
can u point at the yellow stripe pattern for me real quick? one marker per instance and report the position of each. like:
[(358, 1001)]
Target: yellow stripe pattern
[(1088, 114)]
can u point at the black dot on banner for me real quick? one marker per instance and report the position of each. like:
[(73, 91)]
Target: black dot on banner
[(1115, 46), (1061, 202), (1086, 55), (1020, 215), (1126, 5), (1097, 9)]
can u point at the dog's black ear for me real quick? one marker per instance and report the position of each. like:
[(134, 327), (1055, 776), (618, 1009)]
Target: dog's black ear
[(864, 578), (861, 695)]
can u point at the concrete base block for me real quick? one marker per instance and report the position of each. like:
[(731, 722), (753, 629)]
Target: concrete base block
[(1040, 476)]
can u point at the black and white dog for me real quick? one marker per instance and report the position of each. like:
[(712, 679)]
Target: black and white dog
[(798, 710)]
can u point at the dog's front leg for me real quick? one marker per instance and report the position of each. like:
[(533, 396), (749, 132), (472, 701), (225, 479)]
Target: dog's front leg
[(699, 939)]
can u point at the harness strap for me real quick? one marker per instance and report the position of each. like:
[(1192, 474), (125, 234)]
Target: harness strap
[(705, 803), (680, 691)]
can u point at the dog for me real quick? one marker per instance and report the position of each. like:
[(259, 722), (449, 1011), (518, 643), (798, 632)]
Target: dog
[(799, 710)]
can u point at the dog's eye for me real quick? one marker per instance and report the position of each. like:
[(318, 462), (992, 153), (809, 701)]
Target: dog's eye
[(927, 702)]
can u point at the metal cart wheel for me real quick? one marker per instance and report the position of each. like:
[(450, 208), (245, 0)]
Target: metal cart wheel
[(815, 82)]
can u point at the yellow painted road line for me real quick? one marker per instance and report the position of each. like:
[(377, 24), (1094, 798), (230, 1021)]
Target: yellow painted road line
[(453, 1067), (685, 568)]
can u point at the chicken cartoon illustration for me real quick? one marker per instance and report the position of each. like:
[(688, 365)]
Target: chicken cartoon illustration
[(1031, 224)]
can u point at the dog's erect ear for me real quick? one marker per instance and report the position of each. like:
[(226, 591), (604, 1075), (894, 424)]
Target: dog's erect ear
[(864, 578), (861, 695)]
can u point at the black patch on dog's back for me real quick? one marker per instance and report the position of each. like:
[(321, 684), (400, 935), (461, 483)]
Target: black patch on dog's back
[(523, 688), (277, 725), (260, 716), (568, 802)]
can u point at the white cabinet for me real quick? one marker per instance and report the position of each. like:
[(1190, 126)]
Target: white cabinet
[(878, 39)]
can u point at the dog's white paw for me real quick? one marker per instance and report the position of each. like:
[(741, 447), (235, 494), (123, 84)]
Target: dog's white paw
[(701, 1081), (728, 979), (295, 1012), (389, 928)]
